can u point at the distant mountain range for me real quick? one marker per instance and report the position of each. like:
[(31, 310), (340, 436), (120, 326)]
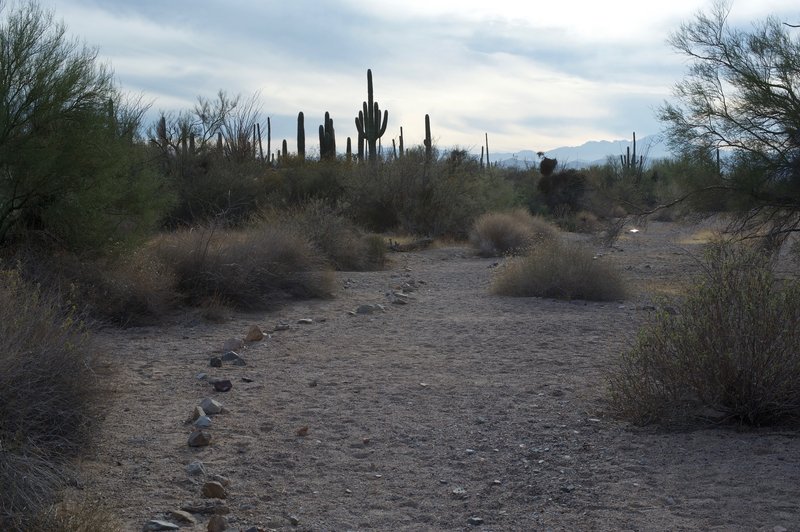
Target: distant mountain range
[(595, 152)]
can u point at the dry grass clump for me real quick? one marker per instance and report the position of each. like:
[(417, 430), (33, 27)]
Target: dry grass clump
[(49, 394), (562, 271), (338, 238), (249, 269), (503, 233), (82, 515), (732, 352)]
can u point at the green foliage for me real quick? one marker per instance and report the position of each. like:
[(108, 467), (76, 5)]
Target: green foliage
[(49, 394), (211, 158), (740, 96), (255, 268), (69, 161), (509, 233), (443, 197), (560, 270), (731, 352)]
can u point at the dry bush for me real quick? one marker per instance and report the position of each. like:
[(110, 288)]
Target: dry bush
[(249, 269), (82, 515), (732, 352), (562, 271), (128, 289), (514, 232), (346, 246), (49, 394)]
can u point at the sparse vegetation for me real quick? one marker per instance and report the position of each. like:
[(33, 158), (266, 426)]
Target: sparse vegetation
[(49, 397), (510, 233), (560, 270), (731, 352), (254, 268)]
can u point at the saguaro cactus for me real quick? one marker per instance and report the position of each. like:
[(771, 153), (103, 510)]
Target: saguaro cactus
[(428, 142), (327, 139), (368, 121), (631, 167), (301, 136)]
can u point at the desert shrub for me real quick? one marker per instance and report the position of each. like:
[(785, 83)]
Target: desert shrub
[(559, 270), (416, 195), (127, 289), (49, 394), (336, 237), (82, 515), (254, 268), (514, 232), (731, 352), (69, 153), (565, 188)]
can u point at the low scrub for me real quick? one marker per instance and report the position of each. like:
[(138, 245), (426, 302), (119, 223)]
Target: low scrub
[(560, 270), (340, 240), (247, 269), (503, 233), (49, 394), (730, 353)]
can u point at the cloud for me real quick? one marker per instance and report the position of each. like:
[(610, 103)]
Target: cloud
[(529, 74)]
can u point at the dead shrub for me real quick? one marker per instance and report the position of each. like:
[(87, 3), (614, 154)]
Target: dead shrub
[(503, 233), (730, 353), (49, 396), (562, 271), (249, 269)]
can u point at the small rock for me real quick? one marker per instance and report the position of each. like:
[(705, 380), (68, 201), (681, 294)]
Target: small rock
[(217, 523), (201, 376), (282, 327), (231, 356), (198, 413), (207, 508), (199, 438), (568, 489), (459, 493), (779, 528), (203, 422), (312, 384), (254, 334), (215, 362), (210, 406), (232, 344), (496, 482), (196, 468), (305, 321), (182, 517), (302, 432), (369, 309), (475, 521), (255, 529), (156, 524), (225, 481), (293, 520), (214, 490), (222, 385), (247, 379)]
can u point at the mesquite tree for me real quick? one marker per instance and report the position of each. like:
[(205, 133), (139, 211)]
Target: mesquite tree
[(741, 96)]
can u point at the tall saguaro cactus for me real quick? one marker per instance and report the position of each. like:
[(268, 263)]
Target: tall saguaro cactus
[(301, 136), (428, 142), (369, 123)]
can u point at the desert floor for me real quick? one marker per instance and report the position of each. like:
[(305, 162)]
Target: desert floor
[(459, 410)]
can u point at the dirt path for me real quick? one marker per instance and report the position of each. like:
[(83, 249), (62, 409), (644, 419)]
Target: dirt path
[(458, 405)]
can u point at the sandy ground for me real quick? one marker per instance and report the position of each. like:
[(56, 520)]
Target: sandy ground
[(458, 411)]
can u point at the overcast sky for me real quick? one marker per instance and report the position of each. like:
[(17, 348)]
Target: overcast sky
[(533, 75)]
